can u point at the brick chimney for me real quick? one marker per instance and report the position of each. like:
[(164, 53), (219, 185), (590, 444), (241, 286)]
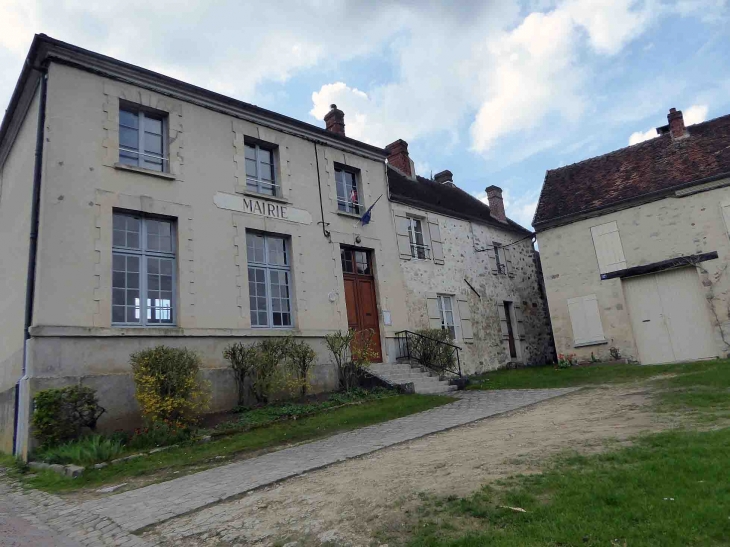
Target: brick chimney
[(444, 177), (496, 203), (398, 157), (676, 124), (335, 120)]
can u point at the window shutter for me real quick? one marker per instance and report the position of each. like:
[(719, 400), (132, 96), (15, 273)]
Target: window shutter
[(520, 321), (508, 260), (492, 259), (467, 333), (437, 248), (503, 321), (609, 252), (434, 316), (401, 232), (585, 319)]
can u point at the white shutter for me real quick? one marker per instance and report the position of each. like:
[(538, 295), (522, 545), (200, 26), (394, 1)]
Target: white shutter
[(492, 259), (520, 321), (467, 333), (508, 260), (437, 248), (434, 316), (609, 251), (725, 208), (401, 232), (503, 321), (585, 319)]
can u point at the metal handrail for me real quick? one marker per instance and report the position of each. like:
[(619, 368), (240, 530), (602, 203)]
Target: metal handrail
[(404, 336)]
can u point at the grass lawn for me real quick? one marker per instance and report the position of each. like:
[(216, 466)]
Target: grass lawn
[(191, 457), (603, 373), (666, 489)]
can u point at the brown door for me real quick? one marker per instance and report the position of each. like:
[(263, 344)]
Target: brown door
[(362, 307), (510, 330)]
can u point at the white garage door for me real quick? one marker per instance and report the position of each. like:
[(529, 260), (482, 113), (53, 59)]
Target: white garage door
[(669, 316)]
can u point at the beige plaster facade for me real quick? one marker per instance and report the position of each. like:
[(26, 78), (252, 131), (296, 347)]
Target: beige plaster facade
[(690, 222)]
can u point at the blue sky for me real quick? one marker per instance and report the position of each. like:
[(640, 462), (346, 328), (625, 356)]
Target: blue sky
[(497, 92)]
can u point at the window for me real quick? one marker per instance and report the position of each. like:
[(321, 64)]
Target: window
[(142, 139), (356, 262), (586, 320), (415, 235), (260, 170), (269, 280), (446, 309), (499, 257), (348, 197), (143, 270), (609, 252)]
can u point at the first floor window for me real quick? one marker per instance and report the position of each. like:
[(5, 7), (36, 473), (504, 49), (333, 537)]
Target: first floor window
[(269, 280), (415, 234), (142, 139), (348, 197), (446, 309), (260, 170), (500, 258), (143, 270)]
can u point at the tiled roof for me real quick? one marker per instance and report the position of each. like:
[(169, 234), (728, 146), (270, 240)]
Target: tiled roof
[(651, 168), (443, 198)]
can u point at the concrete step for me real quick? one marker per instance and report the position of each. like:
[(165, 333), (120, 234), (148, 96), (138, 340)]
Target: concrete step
[(423, 380)]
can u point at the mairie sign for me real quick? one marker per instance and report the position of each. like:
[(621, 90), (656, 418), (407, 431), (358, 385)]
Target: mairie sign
[(260, 207)]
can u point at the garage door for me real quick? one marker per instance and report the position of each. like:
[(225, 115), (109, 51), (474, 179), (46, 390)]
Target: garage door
[(669, 317)]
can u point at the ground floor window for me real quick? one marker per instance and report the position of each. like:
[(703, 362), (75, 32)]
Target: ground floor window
[(446, 309), (269, 280), (143, 270)]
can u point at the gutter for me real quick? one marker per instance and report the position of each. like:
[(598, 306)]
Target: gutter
[(324, 224), (20, 404)]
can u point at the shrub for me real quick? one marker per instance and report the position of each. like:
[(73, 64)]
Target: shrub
[(167, 385), (567, 360), (351, 353), (300, 358), (428, 350), (267, 376), (61, 414), (84, 451), (158, 434), (243, 360)]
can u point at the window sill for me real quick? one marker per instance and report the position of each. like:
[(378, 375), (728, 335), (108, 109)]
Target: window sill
[(242, 190), (594, 343), (143, 171), (349, 215)]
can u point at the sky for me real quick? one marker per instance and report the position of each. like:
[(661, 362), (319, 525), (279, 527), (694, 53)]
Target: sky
[(495, 91)]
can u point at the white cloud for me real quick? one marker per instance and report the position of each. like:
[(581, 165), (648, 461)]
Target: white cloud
[(697, 113)]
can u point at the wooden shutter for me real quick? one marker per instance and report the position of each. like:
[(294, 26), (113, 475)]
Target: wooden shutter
[(437, 248), (401, 232), (467, 333), (725, 208), (434, 316), (585, 319), (492, 259), (520, 321), (609, 252), (508, 260), (503, 320)]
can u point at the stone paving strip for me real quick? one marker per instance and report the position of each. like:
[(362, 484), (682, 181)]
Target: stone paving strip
[(137, 509)]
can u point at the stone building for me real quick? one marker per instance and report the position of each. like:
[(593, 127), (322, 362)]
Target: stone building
[(635, 247), (467, 268)]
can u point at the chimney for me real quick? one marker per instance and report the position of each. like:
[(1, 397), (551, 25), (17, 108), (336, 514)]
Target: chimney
[(398, 157), (676, 124), (444, 177), (496, 203), (335, 120)]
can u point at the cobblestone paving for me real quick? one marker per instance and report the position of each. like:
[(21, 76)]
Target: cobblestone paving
[(137, 509)]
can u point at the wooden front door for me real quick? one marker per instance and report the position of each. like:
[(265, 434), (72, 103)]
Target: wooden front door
[(362, 307)]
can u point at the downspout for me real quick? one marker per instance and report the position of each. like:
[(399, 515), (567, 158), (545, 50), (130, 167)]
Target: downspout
[(325, 231), (22, 405)]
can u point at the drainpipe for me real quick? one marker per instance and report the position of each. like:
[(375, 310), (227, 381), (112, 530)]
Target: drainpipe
[(21, 394), (325, 231)]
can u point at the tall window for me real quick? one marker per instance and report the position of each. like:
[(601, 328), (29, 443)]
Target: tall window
[(415, 234), (269, 280), (446, 309), (143, 270), (260, 170), (348, 197), (142, 139), (500, 258)]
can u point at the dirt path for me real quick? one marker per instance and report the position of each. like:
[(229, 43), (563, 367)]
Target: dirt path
[(346, 504)]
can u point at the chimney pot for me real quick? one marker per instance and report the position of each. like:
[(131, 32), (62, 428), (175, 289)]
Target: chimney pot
[(335, 120), (398, 157), (444, 177), (676, 124), (496, 203)]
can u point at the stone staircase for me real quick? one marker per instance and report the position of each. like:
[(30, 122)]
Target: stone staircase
[(404, 372)]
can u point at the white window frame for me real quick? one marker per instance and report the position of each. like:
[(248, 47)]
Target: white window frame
[(142, 116), (143, 254), (257, 180), (267, 267), (442, 299), (413, 223), (346, 202)]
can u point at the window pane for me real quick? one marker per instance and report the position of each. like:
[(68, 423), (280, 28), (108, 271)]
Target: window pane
[(118, 297), (128, 119), (153, 265), (267, 171), (153, 144), (277, 251), (133, 280), (119, 280), (166, 267), (128, 138), (250, 152), (118, 314), (152, 125), (251, 168), (255, 248), (128, 158), (265, 156), (119, 238)]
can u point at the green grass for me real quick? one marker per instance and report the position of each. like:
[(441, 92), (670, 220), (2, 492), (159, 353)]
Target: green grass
[(619, 498), (585, 375), (190, 457)]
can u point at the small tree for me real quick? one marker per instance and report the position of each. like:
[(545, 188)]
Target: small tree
[(300, 358), (267, 376), (243, 361), (351, 353), (61, 414), (167, 384)]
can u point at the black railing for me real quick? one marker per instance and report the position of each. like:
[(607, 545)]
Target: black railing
[(436, 355)]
